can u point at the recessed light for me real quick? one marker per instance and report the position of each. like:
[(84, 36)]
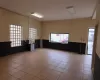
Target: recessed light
[(37, 15), (70, 9)]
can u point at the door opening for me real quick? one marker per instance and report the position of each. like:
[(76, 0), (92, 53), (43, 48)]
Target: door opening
[(90, 40)]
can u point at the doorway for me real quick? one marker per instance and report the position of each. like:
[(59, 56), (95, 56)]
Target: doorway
[(90, 40)]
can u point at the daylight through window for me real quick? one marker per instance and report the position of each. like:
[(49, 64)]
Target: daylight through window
[(59, 38), (15, 35), (32, 34)]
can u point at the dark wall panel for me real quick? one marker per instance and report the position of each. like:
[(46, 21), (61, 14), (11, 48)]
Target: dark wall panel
[(6, 49), (37, 43), (97, 68), (71, 46)]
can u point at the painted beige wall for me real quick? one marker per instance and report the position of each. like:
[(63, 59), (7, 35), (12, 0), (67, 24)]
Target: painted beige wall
[(77, 28), (37, 25), (7, 18), (98, 36)]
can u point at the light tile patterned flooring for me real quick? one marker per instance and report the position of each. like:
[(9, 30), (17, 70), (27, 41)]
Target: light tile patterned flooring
[(46, 64)]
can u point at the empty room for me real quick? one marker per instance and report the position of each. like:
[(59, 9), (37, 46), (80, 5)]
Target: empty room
[(49, 40)]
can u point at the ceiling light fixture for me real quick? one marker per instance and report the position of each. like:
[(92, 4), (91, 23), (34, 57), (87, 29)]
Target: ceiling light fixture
[(37, 15), (71, 9)]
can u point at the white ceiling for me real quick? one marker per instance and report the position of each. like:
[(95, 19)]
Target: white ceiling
[(51, 9)]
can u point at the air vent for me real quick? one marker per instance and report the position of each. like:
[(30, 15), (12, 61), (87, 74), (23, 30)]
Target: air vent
[(71, 9)]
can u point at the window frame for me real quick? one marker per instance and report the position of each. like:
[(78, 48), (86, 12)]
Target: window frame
[(58, 42)]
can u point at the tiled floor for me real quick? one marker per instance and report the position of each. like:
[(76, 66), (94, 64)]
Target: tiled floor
[(90, 47), (45, 64)]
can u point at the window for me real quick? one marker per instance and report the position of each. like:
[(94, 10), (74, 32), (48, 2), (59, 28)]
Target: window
[(59, 38), (32, 35), (15, 35)]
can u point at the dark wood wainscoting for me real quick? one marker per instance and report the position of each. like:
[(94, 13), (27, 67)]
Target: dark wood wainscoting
[(71, 46), (37, 43), (97, 68), (6, 49)]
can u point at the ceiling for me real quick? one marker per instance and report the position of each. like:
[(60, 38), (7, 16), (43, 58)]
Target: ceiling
[(51, 9)]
